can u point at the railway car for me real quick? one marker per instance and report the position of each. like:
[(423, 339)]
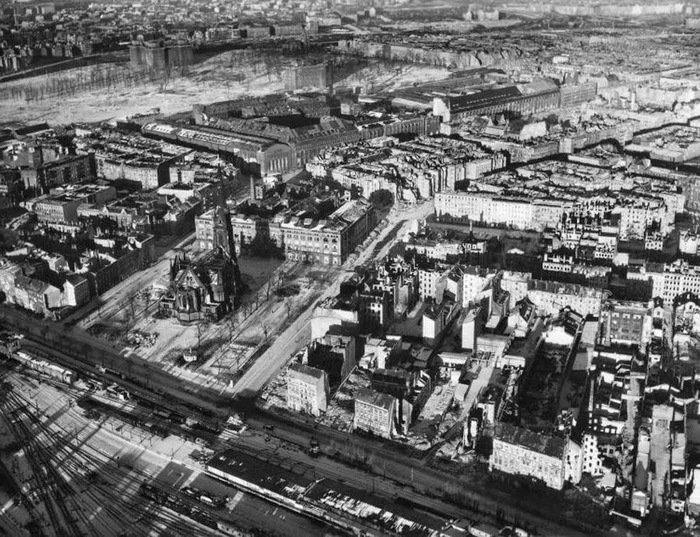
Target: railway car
[(42, 366), (153, 493), (145, 403), (177, 418), (210, 426), (212, 501), (227, 528), (202, 517), (24, 359), (64, 375), (157, 430), (161, 413)]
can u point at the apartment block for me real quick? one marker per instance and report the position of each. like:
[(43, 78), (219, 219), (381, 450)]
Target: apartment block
[(375, 413), (307, 389), (521, 452)]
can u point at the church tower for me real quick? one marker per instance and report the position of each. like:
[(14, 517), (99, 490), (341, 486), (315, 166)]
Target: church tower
[(217, 257), (213, 231)]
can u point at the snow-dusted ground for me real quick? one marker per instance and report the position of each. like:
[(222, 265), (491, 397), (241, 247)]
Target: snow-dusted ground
[(229, 75), (226, 76), (384, 76)]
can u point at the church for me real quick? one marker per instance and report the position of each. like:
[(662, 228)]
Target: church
[(207, 284)]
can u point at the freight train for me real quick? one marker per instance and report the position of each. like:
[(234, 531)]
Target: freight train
[(42, 366)]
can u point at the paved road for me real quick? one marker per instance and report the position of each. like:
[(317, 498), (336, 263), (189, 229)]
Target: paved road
[(268, 365)]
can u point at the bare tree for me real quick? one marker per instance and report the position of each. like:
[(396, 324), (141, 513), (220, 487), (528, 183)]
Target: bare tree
[(149, 300), (202, 326), (264, 327), (231, 326), (131, 312), (268, 290)]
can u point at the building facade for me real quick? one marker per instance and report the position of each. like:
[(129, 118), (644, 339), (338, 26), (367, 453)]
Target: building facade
[(307, 389), (518, 451), (329, 242), (62, 206), (213, 231), (374, 413), (477, 207), (625, 323)]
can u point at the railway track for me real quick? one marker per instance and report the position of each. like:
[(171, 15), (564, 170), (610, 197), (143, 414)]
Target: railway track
[(49, 481), (73, 454)]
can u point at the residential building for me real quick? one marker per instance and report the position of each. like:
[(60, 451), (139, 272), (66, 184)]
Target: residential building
[(156, 56), (336, 355), (61, 206), (627, 323), (490, 209), (307, 389), (76, 290), (34, 295), (518, 451), (330, 241), (429, 280), (209, 194), (375, 413), (550, 297)]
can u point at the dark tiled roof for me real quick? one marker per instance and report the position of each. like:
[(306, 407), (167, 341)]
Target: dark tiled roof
[(542, 443), (30, 284), (371, 397), (306, 370)]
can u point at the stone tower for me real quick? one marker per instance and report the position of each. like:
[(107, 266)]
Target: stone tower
[(213, 231)]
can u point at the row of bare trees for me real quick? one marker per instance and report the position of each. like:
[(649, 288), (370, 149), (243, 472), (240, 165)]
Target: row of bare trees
[(108, 77), (113, 76)]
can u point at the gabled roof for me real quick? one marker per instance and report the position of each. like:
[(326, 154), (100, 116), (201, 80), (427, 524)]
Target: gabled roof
[(186, 274), (368, 396)]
